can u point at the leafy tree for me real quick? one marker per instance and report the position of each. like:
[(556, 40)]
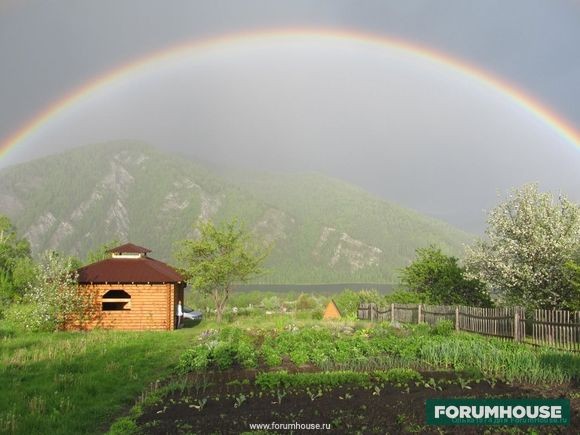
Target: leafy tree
[(439, 279), (53, 296), (218, 259), (349, 300), (15, 262), (305, 302), (101, 253), (403, 297), (530, 238), (572, 273)]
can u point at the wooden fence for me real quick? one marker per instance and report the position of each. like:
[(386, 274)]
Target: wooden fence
[(560, 329), (556, 328)]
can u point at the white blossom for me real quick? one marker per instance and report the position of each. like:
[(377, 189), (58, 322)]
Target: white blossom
[(54, 295), (530, 237)]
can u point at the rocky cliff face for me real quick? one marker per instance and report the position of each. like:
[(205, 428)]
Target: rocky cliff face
[(318, 230), (355, 254)]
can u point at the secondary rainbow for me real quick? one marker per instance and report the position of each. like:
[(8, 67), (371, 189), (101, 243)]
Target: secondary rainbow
[(527, 102)]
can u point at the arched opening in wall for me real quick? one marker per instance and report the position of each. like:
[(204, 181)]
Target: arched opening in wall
[(116, 300)]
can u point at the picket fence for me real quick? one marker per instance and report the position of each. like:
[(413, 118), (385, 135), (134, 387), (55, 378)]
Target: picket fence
[(555, 328)]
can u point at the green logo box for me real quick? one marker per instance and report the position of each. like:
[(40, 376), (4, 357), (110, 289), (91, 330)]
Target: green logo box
[(498, 411)]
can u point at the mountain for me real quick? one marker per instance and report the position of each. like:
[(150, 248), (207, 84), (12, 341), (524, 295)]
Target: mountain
[(322, 229)]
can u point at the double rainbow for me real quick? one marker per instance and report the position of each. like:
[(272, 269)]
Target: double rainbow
[(541, 112)]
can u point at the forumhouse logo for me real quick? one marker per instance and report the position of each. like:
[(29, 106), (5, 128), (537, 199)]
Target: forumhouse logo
[(498, 411)]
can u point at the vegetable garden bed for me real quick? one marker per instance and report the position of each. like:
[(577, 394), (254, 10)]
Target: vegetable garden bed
[(229, 402), (357, 380)]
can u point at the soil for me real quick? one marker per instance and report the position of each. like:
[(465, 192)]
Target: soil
[(348, 409)]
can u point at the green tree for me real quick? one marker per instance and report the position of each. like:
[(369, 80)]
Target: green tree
[(439, 279), (16, 264), (530, 238), (218, 259), (53, 296), (572, 273), (100, 253)]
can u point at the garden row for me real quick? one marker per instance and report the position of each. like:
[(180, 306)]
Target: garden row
[(379, 348), (388, 401)]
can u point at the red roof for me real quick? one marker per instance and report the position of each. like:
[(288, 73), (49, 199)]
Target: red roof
[(129, 248), (140, 270)]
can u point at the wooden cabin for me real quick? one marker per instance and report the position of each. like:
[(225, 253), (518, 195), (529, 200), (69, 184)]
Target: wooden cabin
[(332, 311), (131, 291)]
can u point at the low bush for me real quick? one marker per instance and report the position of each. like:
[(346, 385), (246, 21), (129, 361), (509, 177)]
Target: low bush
[(231, 346), (422, 329), (305, 302), (194, 359), (349, 300), (271, 303), (403, 297), (317, 314), (444, 328), (224, 354)]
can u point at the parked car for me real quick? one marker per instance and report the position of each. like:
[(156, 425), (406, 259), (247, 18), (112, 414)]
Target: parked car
[(191, 316)]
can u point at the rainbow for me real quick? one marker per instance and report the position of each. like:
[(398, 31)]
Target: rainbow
[(540, 111)]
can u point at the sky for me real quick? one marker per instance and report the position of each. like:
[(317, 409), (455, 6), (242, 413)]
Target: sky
[(405, 127)]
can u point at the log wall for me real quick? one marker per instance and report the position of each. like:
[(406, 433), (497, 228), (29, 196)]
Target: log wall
[(153, 307)]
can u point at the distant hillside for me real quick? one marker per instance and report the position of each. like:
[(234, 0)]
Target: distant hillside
[(323, 230)]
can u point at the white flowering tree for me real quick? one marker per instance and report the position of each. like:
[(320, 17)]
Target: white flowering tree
[(54, 298), (530, 238)]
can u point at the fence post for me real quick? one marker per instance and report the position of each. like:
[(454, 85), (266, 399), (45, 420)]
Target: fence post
[(457, 318), (372, 311), (419, 314), (392, 312), (516, 324)]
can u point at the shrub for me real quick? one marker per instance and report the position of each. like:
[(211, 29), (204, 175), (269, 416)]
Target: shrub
[(349, 300), (246, 355), (305, 302), (403, 297), (443, 328), (223, 355), (197, 358), (54, 295), (317, 314), (230, 346), (272, 303), (422, 329)]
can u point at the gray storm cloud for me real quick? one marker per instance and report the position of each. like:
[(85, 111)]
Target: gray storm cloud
[(408, 131), (411, 130)]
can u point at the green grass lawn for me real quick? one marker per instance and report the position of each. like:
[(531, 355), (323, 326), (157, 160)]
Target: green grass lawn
[(77, 382)]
